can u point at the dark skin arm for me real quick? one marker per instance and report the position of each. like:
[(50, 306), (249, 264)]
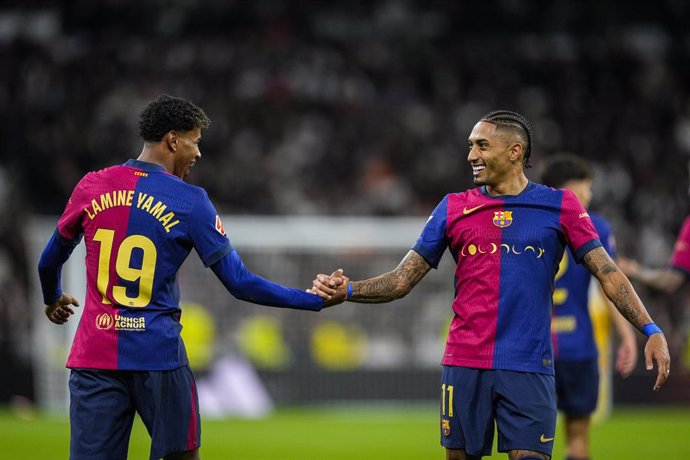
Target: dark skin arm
[(620, 292)]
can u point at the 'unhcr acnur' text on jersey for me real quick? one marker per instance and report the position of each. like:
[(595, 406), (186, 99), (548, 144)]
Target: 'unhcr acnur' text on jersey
[(139, 224)]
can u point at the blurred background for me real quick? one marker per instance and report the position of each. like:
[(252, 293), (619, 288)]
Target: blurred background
[(336, 129)]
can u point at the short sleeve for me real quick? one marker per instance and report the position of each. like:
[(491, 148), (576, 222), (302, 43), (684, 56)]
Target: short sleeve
[(433, 241), (577, 226), (207, 233)]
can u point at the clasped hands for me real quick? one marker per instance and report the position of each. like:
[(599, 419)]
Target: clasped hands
[(332, 289)]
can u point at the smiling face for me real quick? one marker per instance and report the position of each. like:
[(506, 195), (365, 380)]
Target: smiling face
[(186, 150), (494, 154)]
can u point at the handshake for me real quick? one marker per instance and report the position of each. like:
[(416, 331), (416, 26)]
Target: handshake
[(332, 289)]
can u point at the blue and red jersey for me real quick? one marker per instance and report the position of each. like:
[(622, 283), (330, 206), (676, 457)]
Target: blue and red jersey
[(573, 335), (507, 250), (680, 260), (139, 224)]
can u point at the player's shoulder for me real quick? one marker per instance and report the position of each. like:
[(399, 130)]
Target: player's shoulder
[(469, 195), (598, 219), (543, 194), (537, 188), (99, 174)]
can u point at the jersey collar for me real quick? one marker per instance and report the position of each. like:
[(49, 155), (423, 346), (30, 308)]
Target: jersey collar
[(485, 192), (145, 166)]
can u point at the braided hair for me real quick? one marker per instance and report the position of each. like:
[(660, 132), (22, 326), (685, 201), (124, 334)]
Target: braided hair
[(516, 122)]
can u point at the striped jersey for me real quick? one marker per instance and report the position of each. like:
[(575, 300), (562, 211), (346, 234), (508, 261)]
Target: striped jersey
[(139, 224), (507, 250)]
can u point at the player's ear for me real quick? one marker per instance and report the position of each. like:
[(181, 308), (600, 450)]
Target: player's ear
[(171, 140), (515, 153)]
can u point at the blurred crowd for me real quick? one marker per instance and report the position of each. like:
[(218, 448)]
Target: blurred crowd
[(344, 108)]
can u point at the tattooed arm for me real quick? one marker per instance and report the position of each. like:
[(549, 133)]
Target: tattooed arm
[(617, 287), (392, 285), (620, 292), (383, 288)]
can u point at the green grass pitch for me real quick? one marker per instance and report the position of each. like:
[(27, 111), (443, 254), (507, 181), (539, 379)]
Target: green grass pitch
[(355, 433)]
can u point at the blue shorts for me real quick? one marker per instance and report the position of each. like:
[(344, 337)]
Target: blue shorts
[(577, 386), (522, 404), (103, 404)]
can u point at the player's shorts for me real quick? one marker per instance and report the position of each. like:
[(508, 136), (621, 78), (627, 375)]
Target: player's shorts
[(577, 386), (523, 404), (103, 404)]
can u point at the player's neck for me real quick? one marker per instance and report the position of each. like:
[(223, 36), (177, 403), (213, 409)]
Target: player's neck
[(151, 154), (512, 186)]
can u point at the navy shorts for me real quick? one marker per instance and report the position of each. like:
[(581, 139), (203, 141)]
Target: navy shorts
[(577, 386), (103, 404), (522, 404)]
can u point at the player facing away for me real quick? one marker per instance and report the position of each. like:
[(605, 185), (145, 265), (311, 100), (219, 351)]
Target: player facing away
[(575, 350), (139, 222), (507, 237)]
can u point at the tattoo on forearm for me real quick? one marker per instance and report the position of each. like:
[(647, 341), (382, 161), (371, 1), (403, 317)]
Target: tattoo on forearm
[(597, 261), (391, 285), (616, 286), (626, 305)]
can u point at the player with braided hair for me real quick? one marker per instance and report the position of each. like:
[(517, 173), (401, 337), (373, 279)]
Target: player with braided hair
[(520, 125), (507, 237)]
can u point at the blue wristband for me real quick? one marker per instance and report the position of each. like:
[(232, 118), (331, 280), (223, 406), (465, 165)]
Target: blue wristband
[(349, 291), (651, 328)]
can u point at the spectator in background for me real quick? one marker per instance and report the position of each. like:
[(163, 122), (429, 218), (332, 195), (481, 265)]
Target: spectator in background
[(575, 350)]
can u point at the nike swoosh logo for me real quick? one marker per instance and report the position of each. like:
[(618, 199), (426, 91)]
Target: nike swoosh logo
[(471, 210), (543, 439)]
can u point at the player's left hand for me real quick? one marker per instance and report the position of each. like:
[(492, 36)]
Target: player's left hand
[(657, 350), (626, 358), (60, 310)]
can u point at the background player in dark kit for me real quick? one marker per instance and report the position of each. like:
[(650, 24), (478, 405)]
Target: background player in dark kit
[(575, 350)]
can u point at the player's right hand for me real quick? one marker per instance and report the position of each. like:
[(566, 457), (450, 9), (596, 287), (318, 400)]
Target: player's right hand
[(657, 350), (333, 288), (60, 310)]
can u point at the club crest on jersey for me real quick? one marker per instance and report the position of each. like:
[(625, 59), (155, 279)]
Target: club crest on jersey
[(445, 427), (219, 226), (503, 218)]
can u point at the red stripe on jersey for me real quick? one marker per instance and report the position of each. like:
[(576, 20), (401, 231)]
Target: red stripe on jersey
[(101, 206)]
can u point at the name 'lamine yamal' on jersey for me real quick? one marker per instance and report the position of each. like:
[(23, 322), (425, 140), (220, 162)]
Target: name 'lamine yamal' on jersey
[(128, 215)]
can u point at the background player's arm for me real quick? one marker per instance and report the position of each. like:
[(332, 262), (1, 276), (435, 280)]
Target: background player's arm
[(618, 290), (380, 289), (663, 279)]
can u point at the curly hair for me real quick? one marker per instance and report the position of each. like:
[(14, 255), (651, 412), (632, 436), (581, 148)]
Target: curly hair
[(515, 121), (168, 113)]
